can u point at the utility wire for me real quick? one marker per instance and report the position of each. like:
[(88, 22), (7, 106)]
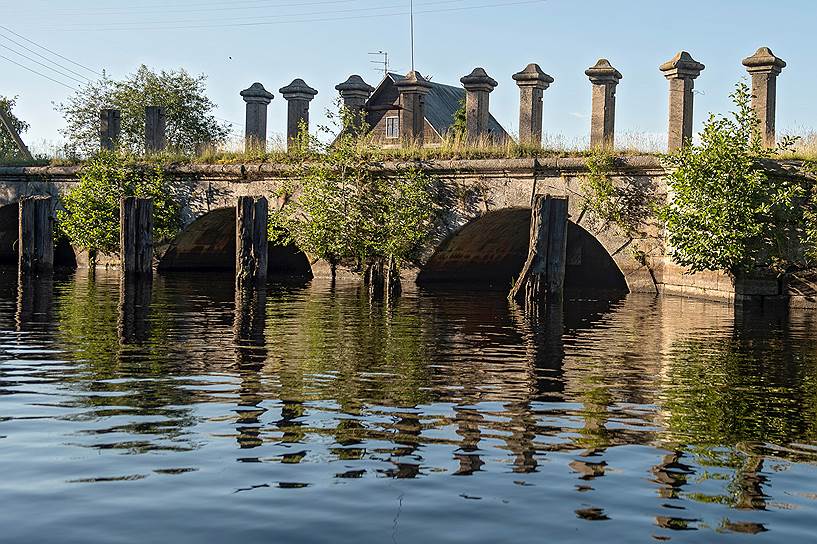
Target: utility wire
[(47, 67), (50, 51), (38, 73), (208, 8), (314, 20), (18, 44)]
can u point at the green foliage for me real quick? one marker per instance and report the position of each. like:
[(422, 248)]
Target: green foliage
[(628, 205), (188, 111), (90, 217), (8, 149), (727, 212), (458, 128), (343, 211)]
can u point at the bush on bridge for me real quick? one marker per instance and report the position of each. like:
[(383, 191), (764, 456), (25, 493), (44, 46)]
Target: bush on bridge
[(90, 218), (727, 211), (342, 211)]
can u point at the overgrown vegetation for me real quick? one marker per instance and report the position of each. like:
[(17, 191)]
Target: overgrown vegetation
[(8, 149), (342, 210), (727, 211), (190, 123), (90, 217)]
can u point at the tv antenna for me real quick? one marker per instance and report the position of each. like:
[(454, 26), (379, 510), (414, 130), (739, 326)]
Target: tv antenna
[(383, 61)]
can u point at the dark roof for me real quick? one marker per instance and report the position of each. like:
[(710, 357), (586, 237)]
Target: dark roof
[(442, 102)]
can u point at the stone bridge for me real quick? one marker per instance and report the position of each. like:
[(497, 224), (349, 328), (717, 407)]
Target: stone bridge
[(484, 240)]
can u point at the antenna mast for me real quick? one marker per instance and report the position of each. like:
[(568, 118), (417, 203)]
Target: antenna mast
[(412, 33), (384, 63)]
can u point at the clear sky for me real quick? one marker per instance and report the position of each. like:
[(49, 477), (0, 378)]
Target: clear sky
[(323, 41)]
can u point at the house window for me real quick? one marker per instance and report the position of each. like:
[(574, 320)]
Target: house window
[(392, 127)]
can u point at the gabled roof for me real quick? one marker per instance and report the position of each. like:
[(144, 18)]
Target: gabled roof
[(442, 102)]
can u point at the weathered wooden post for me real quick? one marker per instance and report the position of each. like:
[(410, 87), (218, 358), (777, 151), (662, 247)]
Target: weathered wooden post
[(110, 125), (681, 71), (251, 241), (36, 234), (764, 67), (255, 130), (136, 235), (478, 88), (298, 96), (532, 83), (155, 125), (413, 90), (605, 79), (543, 276)]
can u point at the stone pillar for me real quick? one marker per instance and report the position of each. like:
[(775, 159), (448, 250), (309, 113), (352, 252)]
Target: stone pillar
[(764, 67), (251, 237), (355, 93), (478, 87), (255, 128), (155, 123), (110, 125), (36, 235), (532, 83), (298, 96), (605, 79), (681, 71), (136, 235), (413, 90)]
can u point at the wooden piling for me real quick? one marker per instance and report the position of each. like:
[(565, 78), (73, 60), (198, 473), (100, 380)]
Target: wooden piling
[(542, 277), (36, 235), (251, 241), (136, 235)]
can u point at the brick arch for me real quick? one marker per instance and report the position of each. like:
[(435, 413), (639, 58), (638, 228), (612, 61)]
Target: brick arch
[(491, 249), (208, 243)]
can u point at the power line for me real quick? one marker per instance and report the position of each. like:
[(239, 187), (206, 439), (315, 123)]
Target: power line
[(50, 51), (314, 20), (38, 73), (47, 67), (208, 8), (18, 44)]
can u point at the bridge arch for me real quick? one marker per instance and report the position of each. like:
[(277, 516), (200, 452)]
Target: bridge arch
[(208, 244), (492, 248)]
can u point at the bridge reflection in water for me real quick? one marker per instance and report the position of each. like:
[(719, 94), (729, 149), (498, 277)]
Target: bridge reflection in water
[(686, 411)]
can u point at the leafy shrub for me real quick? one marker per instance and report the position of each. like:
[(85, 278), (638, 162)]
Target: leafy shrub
[(90, 217)]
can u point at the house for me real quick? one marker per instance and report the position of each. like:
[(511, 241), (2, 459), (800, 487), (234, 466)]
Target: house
[(441, 103)]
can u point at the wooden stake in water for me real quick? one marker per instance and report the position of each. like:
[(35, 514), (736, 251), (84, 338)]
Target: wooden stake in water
[(136, 235), (251, 241), (36, 235)]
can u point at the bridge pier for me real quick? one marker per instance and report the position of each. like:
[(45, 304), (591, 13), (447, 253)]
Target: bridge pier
[(543, 276), (251, 241), (136, 235), (36, 235)]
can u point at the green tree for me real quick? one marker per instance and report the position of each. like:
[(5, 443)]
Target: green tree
[(188, 111), (459, 125), (8, 148), (90, 217), (727, 212), (343, 210)]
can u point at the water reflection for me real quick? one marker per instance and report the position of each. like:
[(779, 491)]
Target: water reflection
[(647, 415)]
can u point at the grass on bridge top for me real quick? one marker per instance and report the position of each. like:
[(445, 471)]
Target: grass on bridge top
[(627, 144)]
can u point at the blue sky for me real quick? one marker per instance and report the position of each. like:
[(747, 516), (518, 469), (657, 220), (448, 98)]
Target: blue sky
[(323, 41)]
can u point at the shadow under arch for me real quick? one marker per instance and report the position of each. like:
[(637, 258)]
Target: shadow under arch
[(64, 255), (208, 244), (492, 249)]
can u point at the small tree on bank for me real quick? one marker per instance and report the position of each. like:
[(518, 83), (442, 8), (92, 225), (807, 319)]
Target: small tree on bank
[(726, 211), (188, 111), (8, 149), (342, 210)]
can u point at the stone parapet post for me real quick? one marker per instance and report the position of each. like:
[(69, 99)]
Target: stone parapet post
[(110, 125), (478, 87), (255, 129), (155, 126), (764, 67), (298, 96), (532, 83), (681, 72), (413, 90), (605, 79), (355, 93)]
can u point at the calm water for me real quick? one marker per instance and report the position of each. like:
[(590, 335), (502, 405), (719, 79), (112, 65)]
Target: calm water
[(310, 415)]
